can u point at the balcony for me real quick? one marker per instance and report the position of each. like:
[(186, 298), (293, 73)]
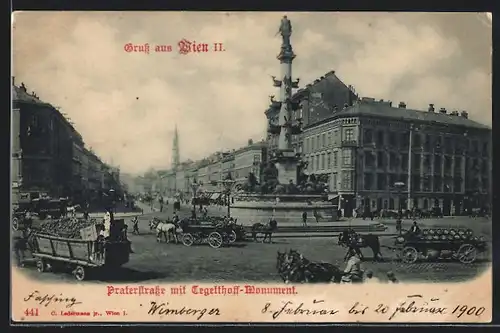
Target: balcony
[(349, 143)]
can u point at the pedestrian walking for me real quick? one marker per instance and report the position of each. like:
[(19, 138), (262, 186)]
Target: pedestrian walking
[(316, 216), (135, 229), (304, 219)]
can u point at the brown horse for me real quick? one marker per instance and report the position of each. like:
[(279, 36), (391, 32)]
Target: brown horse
[(294, 267), (354, 241), (267, 230)]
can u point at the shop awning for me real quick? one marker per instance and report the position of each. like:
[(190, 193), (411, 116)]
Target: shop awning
[(332, 196)]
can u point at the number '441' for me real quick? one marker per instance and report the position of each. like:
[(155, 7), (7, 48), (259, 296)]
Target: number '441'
[(31, 312)]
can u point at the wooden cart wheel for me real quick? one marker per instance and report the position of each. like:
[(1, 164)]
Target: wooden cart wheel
[(231, 237), (79, 273), (15, 224), (187, 239), (215, 240), (41, 266), (409, 255), (467, 253)]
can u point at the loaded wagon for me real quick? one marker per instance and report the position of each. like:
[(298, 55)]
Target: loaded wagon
[(215, 236), (431, 244), (81, 256)]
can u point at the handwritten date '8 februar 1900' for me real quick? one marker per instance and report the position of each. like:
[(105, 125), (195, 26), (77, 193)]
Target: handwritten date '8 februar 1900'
[(184, 47)]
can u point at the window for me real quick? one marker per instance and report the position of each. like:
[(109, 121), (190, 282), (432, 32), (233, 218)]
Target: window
[(323, 161), (367, 136), (347, 157), (369, 159), (426, 186), (416, 161), (380, 160), (404, 161), (329, 138), (448, 145), (427, 164), (415, 183), (457, 184), (312, 144), (381, 181), (391, 203), (347, 181), (392, 139), (437, 164), (318, 143), (405, 137), (324, 140), (335, 159), (427, 143), (392, 161), (318, 165), (349, 134), (417, 142), (368, 181), (447, 164), (485, 149), (329, 160), (334, 180), (392, 179), (437, 183), (335, 136), (380, 138)]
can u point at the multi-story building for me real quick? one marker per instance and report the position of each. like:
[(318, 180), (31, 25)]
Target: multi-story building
[(377, 156), (42, 142), (249, 159), (48, 154)]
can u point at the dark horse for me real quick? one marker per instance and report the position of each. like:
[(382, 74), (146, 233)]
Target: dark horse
[(267, 230), (356, 242), (294, 267)]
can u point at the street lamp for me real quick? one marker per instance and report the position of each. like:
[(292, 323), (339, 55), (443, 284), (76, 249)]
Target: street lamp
[(399, 186), (195, 186), (228, 185)]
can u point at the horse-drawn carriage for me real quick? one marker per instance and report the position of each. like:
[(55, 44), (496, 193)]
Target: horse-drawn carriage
[(215, 235), (432, 244)]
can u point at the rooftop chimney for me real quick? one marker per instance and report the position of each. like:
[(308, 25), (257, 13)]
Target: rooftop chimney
[(442, 110), (402, 105), (454, 113), (250, 142), (465, 114), (431, 108)]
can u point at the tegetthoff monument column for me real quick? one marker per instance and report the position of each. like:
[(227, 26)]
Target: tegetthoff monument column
[(285, 160)]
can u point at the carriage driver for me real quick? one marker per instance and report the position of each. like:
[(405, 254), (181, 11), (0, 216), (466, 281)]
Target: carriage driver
[(415, 228), (352, 271)]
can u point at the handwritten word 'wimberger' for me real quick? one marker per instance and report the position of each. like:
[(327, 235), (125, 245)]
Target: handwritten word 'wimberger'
[(184, 47)]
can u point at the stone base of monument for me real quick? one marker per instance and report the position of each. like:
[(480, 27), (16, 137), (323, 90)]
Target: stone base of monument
[(288, 209)]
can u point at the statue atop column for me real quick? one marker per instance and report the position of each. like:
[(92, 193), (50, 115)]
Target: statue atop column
[(286, 31)]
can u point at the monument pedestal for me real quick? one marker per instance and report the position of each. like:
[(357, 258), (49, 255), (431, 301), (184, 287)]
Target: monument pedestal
[(286, 163), (287, 171)]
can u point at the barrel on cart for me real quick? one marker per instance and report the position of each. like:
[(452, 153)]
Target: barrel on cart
[(91, 253)]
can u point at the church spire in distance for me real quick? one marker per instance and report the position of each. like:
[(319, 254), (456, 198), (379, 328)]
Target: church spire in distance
[(175, 150)]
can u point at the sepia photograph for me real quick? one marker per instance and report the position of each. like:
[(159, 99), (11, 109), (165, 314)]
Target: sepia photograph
[(251, 167)]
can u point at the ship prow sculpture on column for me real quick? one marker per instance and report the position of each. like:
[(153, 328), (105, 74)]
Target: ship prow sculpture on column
[(285, 193)]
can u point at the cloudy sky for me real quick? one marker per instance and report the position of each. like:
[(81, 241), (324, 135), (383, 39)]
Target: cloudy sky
[(126, 105)]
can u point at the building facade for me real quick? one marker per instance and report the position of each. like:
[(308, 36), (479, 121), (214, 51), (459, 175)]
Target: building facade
[(48, 154), (249, 159), (376, 156)]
